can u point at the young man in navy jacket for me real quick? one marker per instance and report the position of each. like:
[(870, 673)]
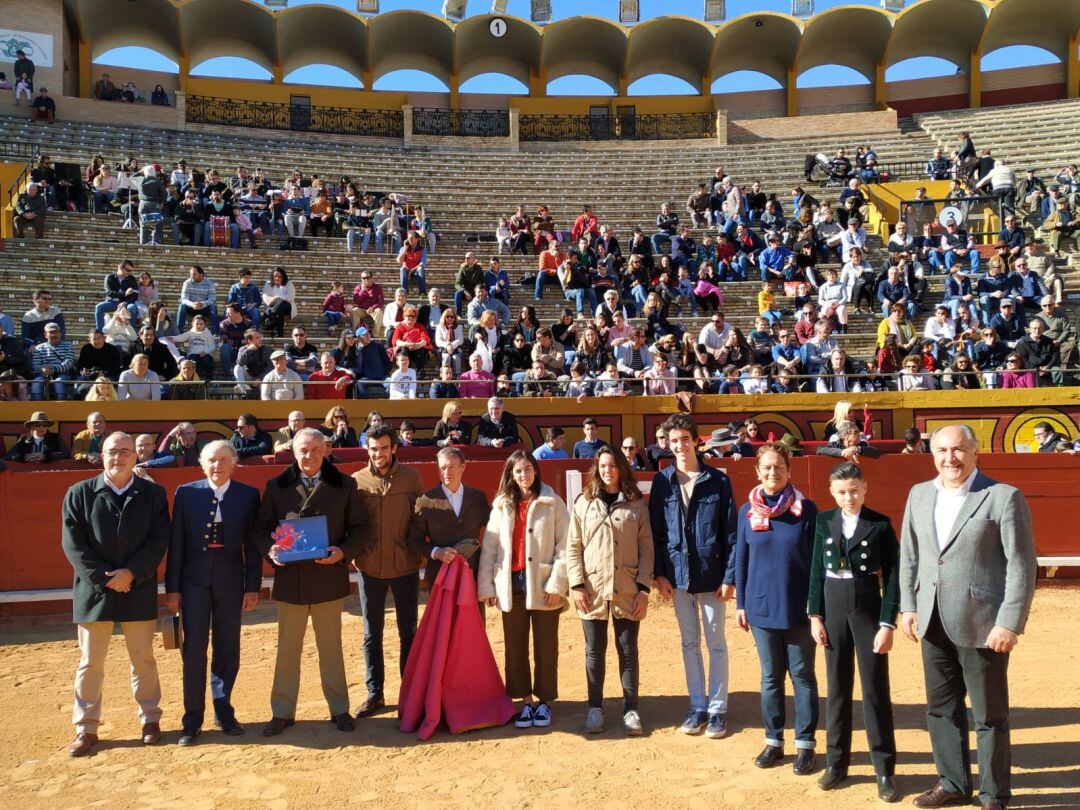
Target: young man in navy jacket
[(693, 516)]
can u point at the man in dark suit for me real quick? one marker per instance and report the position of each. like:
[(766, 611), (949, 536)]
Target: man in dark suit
[(310, 487), (115, 534), (1046, 436), (448, 515), (497, 428), (213, 572), (967, 578)]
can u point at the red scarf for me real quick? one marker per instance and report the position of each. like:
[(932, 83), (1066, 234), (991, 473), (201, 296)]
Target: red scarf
[(761, 513)]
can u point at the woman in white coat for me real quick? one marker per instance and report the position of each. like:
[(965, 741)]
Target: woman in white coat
[(523, 573), (609, 565)]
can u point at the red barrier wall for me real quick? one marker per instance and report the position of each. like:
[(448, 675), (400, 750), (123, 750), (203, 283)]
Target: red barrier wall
[(31, 557)]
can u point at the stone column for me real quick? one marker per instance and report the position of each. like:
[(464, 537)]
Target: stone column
[(406, 112)]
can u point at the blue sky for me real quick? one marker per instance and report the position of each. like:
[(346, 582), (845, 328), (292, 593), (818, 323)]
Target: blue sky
[(826, 75)]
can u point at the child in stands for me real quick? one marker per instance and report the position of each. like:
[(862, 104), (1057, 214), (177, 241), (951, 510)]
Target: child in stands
[(334, 306), (766, 301)]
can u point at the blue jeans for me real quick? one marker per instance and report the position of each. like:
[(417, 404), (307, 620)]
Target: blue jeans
[(418, 271), (373, 605), (252, 312), (658, 240), (56, 387), (784, 652), (639, 293), (102, 200), (228, 358), (543, 278), (209, 312), (460, 300), (333, 317), (105, 307), (353, 234), (688, 606), (380, 237), (581, 298), (499, 293), (773, 316)]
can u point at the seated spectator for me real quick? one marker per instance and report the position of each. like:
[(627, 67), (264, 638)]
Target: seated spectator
[(43, 107), (787, 354), (838, 376), (586, 225), (402, 381), (138, 381), (497, 428), (322, 214), (121, 290), (961, 375), (938, 167), (199, 346), (893, 291), (373, 364), (384, 223), (1038, 353), (1027, 287), (38, 445), (337, 430), (249, 439), (839, 168), (297, 211), (898, 325), (497, 281), (816, 352), (1014, 375), (552, 448), (101, 389), (992, 289), (852, 237), (1007, 323), (548, 263), (187, 384), (412, 261), (52, 364), (660, 377), (303, 356), (537, 381), (217, 207), (368, 303), (98, 358), (104, 190), (633, 358), (119, 332), (482, 302), (159, 98), (86, 444), (183, 444), (476, 383), (1060, 227), (31, 210), (954, 247), (283, 436), (833, 300), (913, 377), (667, 223), (330, 381), (105, 90), (157, 352), (470, 275), (849, 445), (281, 382), (451, 429), (413, 339)]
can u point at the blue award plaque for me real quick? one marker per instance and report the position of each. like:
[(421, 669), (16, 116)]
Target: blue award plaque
[(301, 538)]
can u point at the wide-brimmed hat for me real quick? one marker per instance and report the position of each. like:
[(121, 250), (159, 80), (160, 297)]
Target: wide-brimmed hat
[(721, 437), (39, 418), (792, 443)]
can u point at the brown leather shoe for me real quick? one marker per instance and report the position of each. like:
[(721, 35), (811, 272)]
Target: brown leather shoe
[(151, 734), (937, 796), (82, 745)]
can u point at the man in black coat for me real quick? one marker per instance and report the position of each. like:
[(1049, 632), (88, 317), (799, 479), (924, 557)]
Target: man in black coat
[(311, 487), (116, 531), (497, 428), (214, 571), (162, 362)]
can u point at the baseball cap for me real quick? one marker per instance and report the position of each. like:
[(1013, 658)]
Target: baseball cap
[(361, 331), (277, 354)]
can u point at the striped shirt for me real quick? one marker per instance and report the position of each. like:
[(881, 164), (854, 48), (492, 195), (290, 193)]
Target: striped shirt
[(197, 291), (61, 356)]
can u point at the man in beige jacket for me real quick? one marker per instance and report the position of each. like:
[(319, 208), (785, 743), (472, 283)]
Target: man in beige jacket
[(388, 491)]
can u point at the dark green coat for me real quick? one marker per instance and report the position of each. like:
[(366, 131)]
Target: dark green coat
[(872, 548), (99, 537)]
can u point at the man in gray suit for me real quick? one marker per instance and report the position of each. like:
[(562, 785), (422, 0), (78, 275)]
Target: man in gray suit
[(967, 578)]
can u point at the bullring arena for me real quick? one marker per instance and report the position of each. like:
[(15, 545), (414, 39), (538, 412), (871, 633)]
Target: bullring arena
[(452, 163)]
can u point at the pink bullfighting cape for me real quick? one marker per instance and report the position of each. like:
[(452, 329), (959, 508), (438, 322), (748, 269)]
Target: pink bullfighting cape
[(451, 672)]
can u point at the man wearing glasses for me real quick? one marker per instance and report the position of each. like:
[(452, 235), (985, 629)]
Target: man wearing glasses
[(633, 458), (368, 302), (115, 582), (1046, 437)]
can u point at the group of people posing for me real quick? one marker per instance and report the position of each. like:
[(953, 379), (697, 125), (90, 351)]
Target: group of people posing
[(800, 577)]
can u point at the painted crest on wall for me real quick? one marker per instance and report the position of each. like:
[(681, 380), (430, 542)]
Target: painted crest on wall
[(37, 47)]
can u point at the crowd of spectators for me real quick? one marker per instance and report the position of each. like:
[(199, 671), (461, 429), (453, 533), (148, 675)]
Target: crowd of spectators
[(625, 330)]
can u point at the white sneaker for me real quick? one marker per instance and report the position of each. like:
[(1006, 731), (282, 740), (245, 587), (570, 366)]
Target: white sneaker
[(594, 721), (541, 716), (632, 724), (525, 718)]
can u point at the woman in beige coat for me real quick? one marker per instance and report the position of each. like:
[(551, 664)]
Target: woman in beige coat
[(609, 565), (523, 572)]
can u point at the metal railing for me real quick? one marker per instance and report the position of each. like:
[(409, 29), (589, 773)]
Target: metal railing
[(466, 123), (981, 216), (295, 117), (20, 149), (675, 126), (30, 152)]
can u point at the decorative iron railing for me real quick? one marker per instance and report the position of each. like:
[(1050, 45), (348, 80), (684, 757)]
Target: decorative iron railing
[(677, 126), (296, 117), (26, 150), (468, 123)]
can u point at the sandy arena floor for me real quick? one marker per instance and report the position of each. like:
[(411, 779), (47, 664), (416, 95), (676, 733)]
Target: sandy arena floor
[(314, 765)]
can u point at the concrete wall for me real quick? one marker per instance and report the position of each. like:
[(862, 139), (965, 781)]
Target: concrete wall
[(840, 123)]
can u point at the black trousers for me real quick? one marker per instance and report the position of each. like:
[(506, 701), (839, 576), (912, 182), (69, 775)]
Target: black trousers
[(982, 675), (852, 609), (626, 645), (406, 590), (543, 681), (203, 609)]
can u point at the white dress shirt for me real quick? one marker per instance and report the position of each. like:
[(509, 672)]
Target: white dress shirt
[(121, 490), (219, 493), (456, 498), (947, 506), (847, 531)]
